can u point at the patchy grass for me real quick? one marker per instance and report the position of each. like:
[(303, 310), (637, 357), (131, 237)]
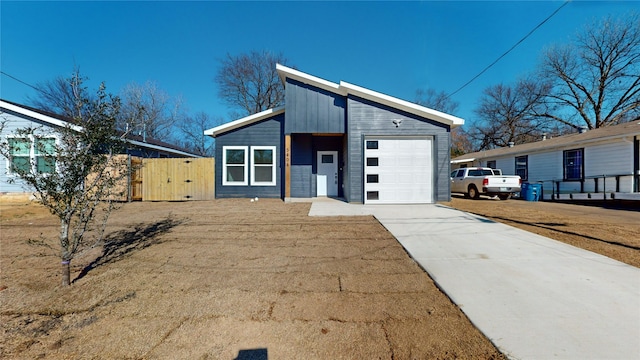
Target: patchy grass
[(609, 232), (224, 279)]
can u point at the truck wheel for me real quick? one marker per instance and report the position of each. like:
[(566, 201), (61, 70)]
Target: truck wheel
[(473, 192), (504, 196)]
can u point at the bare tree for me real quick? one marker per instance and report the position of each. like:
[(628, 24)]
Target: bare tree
[(436, 100), (74, 174), (250, 81), (507, 114), (460, 143), (192, 129), (596, 79), (60, 95), (148, 111)]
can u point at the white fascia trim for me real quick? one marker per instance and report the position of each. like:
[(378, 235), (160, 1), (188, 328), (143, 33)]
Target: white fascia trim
[(162, 148), (244, 121), (463, 160), (345, 88), (396, 103), (41, 117), (286, 72)]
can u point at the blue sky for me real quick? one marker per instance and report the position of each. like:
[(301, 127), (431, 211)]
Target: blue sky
[(390, 47)]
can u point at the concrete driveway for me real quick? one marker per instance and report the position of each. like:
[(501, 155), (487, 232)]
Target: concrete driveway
[(533, 297)]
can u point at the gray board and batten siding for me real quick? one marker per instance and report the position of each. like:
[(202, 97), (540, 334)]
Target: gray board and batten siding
[(367, 118), (267, 132), (304, 148), (313, 110), (310, 110)]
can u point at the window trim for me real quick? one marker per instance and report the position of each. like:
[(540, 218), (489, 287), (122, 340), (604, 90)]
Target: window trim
[(526, 167), (46, 157), (225, 182), (564, 165), (254, 165), (33, 155)]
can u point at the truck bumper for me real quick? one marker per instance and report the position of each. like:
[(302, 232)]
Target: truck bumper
[(501, 190)]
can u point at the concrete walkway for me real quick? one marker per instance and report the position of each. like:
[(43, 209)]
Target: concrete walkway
[(533, 297)]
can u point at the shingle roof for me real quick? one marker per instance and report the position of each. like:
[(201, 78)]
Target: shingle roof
[(616, 131)]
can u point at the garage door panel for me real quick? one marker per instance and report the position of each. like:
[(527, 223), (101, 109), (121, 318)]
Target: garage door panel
[(403, 171)]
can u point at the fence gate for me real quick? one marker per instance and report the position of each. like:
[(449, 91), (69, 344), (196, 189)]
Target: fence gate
[(135, 178), (178, 179)]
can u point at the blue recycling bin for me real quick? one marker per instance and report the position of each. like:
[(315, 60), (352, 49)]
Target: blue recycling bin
[(531, 192)]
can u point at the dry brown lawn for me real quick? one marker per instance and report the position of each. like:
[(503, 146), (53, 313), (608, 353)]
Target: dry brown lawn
[(224, 279), (612, 233)]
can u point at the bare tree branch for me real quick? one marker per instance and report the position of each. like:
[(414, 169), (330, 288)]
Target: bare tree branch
[(250, 81), (596, 79)]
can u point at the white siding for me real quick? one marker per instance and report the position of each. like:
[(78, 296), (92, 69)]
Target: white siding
[(609, 159), (507, 165), (545, 166)]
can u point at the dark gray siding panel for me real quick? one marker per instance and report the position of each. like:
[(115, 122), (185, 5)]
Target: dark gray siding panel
[(264, 133), (304, 149), (313, 110), (367, 118), (301, 166)]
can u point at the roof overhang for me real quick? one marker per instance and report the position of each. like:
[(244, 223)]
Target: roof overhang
[(251, 119), (65, 124), (460, 161), (160, 148), (38, 116), (344, 89)]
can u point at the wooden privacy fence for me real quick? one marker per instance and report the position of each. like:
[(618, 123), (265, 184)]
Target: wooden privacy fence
[(174, 179), (135, 178)]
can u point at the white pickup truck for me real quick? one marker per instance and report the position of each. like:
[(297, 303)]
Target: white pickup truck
[(476, 181)]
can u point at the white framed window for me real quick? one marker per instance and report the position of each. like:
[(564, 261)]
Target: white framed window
[(263, 165), (20, 153), (43, 152), (235, 166), (33, 154)]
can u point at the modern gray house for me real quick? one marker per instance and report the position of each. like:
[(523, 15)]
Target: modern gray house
[(336, 140), (595, 164)]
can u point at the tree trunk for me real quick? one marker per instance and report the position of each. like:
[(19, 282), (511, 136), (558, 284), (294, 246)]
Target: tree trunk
[(64, 252), (66, 273)]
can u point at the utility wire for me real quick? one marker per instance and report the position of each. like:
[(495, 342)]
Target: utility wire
[(508, 51), (22, 82)]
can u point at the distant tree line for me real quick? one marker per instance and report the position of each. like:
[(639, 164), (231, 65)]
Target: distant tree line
[(248, 83), (592, 81)]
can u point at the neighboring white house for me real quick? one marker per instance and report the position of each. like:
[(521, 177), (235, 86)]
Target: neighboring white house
[(15, 116), (595, 164)]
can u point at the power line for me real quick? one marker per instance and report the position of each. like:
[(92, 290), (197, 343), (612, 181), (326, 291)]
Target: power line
[(22, 82), (508, 51)]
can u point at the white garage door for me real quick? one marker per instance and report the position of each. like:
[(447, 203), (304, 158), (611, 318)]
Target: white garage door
[(398, 171)]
